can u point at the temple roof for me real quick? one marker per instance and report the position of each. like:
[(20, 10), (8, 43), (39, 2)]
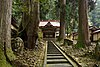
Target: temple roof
[(54, 23), (96, 31)]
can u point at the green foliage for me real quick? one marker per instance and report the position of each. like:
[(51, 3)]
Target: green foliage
[(49, 10), (17, 8), (92, 4), (71, 16), (95, 15)]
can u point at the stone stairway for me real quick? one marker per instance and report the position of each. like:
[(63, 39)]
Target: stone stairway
[(55, 58)]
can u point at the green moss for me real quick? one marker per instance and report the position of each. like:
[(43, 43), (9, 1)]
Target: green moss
[(40, 34), (81, 39), (10, 54), (79, 45), (2, 58), (3, 62)]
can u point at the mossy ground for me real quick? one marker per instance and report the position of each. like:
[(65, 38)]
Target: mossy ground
[(3, 62)]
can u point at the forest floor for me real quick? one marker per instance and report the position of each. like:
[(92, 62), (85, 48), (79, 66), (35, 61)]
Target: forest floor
[(85, 56), (31, 58), (35, 58)]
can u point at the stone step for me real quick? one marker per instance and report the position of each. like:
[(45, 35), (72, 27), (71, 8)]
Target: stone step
[(56, 61), (55, 57), (52, 51), (59, 65), (54, 54)]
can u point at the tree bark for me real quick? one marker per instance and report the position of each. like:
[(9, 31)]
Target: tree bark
[(83, 30), (5, 32), (30, 22), (62, 19), (33, 25)]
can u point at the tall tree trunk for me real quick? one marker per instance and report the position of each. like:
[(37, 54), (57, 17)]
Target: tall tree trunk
[(62, 19), (2, 56), (5, 31), (30, 22), (83, 31), (34, 24)]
